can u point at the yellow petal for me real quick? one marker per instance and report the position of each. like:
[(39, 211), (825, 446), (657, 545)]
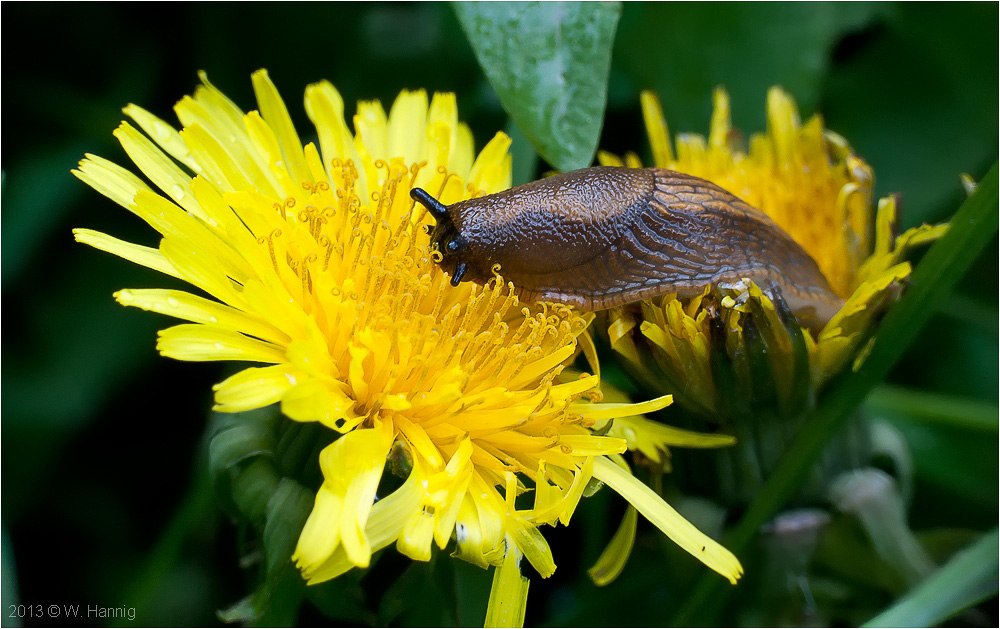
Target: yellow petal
[(487, 171), (509, 594), (612, 561), (415, 540), (656, 127), (325, 108), (273, 110), (183, 305), (352, 466), (321, 534), (166, 174), (407, 122), (163, 134), (110, 179), (663, 516), (385, 523), (572, 498), (605, 158), (468, 538), (144, 256), (531, 542), (200, 342), (254, 387), (313, 400), (598, 412)]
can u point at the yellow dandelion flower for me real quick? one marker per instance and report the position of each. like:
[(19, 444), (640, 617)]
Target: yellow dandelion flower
[(315, 264), (807, 180)]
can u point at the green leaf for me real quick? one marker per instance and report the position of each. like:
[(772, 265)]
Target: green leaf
[(238, 441), (548, 62), (973, 226), (968, 578), (279, 595), (524, 159)]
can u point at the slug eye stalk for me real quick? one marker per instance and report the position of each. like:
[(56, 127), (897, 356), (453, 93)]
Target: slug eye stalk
[(437, 209)]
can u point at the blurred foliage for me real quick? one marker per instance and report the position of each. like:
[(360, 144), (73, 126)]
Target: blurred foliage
[(106, 495)]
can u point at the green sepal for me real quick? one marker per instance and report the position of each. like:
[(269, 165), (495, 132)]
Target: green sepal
[(297, 450), (762, 385), (799, 396), (253, 483), (238, 438), (730, 398), (275, 603), (287, 511)]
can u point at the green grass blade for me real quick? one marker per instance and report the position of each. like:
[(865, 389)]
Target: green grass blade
[(934, 408), (968, 578)]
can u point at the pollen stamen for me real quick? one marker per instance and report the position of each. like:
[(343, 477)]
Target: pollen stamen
[(325, 242), (269, 239)]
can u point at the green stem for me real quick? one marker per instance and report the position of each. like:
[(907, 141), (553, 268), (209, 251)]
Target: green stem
[(968, 578), (973, 226)]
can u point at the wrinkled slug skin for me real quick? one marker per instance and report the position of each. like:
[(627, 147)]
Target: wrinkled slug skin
[(602, 237)]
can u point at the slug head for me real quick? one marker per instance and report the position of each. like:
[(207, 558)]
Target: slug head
[(444, 236)]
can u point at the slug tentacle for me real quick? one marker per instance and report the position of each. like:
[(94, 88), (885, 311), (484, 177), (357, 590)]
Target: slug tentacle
[(437, 209), (456, 277), (602, 237)]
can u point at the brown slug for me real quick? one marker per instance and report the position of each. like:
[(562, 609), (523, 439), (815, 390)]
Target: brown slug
[(602, 237)]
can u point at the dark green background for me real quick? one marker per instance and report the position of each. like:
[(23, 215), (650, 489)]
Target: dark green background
[(103, 440)]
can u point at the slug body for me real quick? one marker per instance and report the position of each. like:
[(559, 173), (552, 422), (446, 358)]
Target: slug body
[(602, 237)]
